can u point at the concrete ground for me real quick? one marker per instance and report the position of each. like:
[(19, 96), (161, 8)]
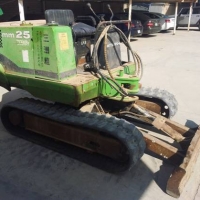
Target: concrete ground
[(32, 172)]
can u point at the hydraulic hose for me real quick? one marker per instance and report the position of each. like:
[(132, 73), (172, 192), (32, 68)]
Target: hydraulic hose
[(105, 55), (136, 58)]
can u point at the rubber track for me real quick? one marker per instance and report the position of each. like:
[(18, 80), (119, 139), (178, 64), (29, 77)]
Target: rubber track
[(163, 95), (120, 129)]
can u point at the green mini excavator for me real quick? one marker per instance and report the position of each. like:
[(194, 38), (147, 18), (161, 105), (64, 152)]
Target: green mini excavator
[(86, 97)]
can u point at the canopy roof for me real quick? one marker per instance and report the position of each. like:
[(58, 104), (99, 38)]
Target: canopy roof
[(134, 1), (21, 7)]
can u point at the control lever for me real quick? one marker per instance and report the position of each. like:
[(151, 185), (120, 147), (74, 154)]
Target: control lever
[(90, 7), (109, 8)]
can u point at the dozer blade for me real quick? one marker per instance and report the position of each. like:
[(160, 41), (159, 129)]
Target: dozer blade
[(181, 174), (184, 157), (189, 141)]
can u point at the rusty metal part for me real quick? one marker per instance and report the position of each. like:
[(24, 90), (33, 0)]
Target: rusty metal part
[(143, 111), (95, 142), (181, 174), (134, 115), (137, 112), (183, 130), (87, 139), (90, 140), (175, 130), (160, 124), (162, 149), (92, 107), (149, 105), (81, 60), (188, 140)]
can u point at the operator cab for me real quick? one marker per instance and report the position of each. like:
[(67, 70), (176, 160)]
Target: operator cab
[(82, 33)]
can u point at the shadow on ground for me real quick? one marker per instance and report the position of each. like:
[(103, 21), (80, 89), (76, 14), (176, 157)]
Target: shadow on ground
[(32, 171), (148, 36)]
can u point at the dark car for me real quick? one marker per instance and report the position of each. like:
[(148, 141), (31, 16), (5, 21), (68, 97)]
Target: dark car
[(136, 26), (150, 26)]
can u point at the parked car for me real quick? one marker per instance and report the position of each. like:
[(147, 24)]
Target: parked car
[(183, 17), (150, 26), (166, 22)]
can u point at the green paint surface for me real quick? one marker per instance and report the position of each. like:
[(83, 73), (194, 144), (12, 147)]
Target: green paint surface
[(41, 60)]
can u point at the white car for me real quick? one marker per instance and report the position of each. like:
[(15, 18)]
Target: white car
[(183, 17), (166, 21)]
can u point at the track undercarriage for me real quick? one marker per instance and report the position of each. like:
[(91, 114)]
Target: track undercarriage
[(107, 142)]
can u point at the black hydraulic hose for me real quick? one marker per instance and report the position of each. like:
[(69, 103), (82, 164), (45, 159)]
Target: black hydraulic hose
[(96, 64), (127, 44), (136, 58), (105, 56), (96, 46), (119, 89)]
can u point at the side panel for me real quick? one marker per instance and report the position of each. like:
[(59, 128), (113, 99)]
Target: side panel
[(16, 49), (54, 52), (70, 94)]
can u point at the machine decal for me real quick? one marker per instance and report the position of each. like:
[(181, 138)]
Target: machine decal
[(46, 61), (39, 48), (46, 50), (18, 35), (23, 34), (46, 37), (25, 56), (64, 44), (23, 42), (8, 35)]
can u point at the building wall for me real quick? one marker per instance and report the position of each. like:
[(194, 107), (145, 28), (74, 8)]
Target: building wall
[(10, 8), (164, 8), (80, 8), (158, 7)]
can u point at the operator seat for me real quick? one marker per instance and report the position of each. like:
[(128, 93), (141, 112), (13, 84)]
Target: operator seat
[(66, 17)]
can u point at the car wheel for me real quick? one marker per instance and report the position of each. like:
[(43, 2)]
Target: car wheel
[(176, 27), (199, 27)]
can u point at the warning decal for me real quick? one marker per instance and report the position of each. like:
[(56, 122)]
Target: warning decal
[(64, 45)]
